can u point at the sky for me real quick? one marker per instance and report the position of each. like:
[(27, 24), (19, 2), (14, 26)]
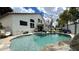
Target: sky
[(46, 12)]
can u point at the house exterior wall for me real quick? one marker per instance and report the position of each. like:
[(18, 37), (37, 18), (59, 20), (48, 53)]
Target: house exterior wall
[(13, 21)]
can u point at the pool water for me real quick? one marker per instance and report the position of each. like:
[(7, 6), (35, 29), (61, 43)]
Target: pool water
[(36, 42)]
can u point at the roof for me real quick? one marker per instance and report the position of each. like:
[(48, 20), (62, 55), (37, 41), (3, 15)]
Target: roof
[(11, 13), (22, 13)]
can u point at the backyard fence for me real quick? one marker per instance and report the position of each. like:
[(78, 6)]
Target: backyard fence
[(72, 27)]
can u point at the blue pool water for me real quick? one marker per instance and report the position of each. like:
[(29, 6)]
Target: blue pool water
[(36, 42)]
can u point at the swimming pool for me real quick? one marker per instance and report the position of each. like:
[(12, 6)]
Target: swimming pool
[(36, 42)]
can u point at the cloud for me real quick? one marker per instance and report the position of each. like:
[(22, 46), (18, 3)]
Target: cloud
[(60, 10), (22, 10), (54, 11), (30, 10), (49, 9), (41, 9), (18, 9)]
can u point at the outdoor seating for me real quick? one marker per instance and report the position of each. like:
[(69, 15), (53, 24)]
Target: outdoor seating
[(25, 32), (66, 31), (4, 34)]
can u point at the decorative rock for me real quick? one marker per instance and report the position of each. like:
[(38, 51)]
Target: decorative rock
[(60, 46), (67, 42), (74, 45), (61, 43), (49, 48)]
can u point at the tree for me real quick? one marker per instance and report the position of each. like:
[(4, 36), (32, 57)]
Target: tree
[(4, 10), (61, 23), (1, 27), (65, 17), (75, 15)]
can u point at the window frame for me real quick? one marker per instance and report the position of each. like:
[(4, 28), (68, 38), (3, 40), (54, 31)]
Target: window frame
[(32, 23), (23, 23)]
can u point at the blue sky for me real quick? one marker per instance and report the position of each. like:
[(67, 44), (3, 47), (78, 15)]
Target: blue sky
[(46, 12)]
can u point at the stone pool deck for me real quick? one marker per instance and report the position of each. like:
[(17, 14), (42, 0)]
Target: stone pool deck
[(5, 44)]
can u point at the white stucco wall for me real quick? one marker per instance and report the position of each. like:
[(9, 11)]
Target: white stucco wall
[(6, 20), (13, 21), (72, 28)]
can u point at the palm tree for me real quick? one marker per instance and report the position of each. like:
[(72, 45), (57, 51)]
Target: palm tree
[(61, 23), (75, 15), (65, 17)]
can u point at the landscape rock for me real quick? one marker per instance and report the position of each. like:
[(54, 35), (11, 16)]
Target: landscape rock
[(74, 45)]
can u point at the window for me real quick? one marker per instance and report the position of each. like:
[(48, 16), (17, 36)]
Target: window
[(31, 23), (31, 20), (23, 23), (40, 21)]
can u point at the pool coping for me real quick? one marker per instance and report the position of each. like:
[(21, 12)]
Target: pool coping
[(71, 35)]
